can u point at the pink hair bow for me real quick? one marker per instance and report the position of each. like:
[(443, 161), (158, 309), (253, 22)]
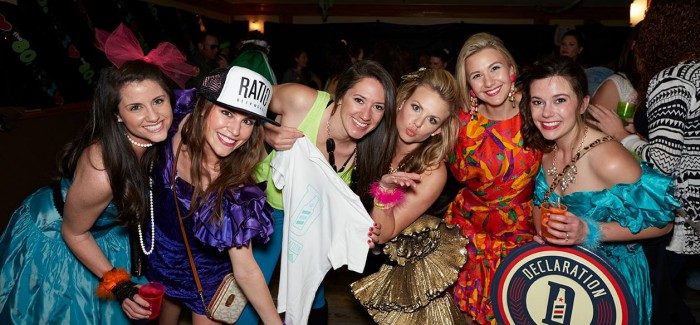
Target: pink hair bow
[(121, 46)]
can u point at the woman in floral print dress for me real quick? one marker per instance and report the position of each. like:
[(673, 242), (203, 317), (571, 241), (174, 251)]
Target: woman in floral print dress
[(494, 207)]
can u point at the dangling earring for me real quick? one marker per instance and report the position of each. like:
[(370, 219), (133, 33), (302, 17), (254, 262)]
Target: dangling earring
[(473, 104), (511, 94)]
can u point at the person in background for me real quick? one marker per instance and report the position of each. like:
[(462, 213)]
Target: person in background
[(339, 57), (620, 86), (668, 125), (393, 57), (611, 205), (424, 135), (68, 238), (571, 44), (493, 207), (206, 180), (300, 72), (206, 57), (253, 54), (439, 58), (225, 50)]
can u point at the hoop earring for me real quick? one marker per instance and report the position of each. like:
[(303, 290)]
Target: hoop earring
[(473, 104), (511, 94)]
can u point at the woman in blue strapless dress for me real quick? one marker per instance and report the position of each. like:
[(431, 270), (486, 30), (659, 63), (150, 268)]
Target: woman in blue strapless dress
[(211, 152), (65, 237), (613, 201)]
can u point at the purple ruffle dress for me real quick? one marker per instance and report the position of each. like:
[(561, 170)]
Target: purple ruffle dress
[(246, 216)]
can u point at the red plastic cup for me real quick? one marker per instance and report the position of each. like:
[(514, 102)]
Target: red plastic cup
[(153, 293)]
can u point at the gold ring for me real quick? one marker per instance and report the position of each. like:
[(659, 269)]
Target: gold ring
[(567, 235)]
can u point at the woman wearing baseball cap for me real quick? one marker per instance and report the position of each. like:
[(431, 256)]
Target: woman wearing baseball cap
[(212, 148)]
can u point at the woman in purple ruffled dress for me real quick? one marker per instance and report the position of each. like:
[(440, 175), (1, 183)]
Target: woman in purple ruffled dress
[(213, 146)]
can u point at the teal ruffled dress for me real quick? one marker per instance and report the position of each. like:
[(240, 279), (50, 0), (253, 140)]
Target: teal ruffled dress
[(41, 281), (646, 203)]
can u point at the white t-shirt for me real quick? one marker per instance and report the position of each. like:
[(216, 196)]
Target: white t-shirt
[(325, 225)]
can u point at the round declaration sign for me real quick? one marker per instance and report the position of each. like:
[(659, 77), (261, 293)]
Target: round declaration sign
[(555, 285)]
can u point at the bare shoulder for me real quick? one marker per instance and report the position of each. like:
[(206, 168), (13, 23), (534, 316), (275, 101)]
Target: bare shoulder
[(292, 99), (90, 172), (433, 178), (613, 164)]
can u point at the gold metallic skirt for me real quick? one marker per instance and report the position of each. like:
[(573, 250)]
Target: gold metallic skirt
[(429, 254)]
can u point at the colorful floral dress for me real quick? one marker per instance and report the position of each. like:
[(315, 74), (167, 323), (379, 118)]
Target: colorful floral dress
[(494, 207)]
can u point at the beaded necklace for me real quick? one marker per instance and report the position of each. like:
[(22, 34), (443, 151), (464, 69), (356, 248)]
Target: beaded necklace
[(138, 144), (330, 148), (153, 229), (569, 176)]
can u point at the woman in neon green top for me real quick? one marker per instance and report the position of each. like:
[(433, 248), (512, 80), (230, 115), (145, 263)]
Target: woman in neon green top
[(347, 131)]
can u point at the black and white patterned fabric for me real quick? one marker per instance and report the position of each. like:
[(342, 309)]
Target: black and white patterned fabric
[(673, 102)]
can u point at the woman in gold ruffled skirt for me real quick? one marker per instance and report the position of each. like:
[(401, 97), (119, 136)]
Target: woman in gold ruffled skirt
[(427, 252)]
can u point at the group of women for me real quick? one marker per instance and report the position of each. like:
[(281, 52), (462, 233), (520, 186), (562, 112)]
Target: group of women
[(145, 163)]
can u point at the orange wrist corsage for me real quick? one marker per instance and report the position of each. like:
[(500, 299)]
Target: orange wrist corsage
[(110, 280)]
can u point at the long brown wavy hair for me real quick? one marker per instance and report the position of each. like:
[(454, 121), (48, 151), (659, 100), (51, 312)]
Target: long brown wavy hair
[(235, 170), (371, 149)]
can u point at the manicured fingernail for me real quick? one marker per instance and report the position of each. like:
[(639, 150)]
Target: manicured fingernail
[(371, 229), (376, 224), (369, 241), (369, 234)]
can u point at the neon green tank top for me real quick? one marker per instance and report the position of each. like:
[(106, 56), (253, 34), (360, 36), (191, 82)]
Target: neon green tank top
[(309, 126)]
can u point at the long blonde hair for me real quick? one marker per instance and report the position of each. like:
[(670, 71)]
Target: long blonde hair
[(476, 43), (435, 149)]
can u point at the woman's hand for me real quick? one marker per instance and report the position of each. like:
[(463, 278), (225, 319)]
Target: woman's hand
[(138, 308), (568, 229), (281, 137), (374, 232), (389, 182), (607, 121)]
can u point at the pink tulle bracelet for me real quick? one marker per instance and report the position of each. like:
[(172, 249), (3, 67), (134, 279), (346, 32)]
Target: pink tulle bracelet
[(383, 199)]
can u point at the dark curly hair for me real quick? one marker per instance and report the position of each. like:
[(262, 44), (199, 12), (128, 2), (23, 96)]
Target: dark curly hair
[(669, 34)]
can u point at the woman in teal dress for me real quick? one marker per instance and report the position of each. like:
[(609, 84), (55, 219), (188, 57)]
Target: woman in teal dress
[(65, 237), (612, 200)]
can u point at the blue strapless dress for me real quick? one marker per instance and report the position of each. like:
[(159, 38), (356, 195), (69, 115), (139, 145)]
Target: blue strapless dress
[(246, 216), (41, 281), (646, 203)]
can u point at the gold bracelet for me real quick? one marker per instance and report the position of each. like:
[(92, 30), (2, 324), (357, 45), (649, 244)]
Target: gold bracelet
[(382, 206)]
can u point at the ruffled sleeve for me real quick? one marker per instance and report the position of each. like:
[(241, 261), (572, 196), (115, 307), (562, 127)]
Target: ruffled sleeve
[(246, 216), (649, 202), (185, 100), (540, 188)]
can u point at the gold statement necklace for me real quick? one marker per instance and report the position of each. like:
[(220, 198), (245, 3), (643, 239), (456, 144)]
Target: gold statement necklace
[(570, 175)]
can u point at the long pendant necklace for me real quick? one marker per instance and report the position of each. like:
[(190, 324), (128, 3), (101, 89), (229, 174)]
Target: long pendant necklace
[(153, 228), (570, 175), (330, 148)]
